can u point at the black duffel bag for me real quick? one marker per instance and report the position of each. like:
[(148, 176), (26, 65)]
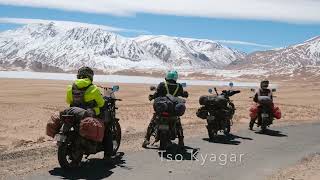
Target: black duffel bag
[(180, 109), (162, 104), (172, 105), (213, 101)]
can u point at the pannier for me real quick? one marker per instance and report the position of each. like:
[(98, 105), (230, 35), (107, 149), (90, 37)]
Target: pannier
[(92, 129), (53, 126), (202, 113)]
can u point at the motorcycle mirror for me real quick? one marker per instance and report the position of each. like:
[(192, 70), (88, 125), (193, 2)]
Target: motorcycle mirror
[(231, 84), (210, 91), (183, 84), (274, 90), (115, 88), (152, 88)]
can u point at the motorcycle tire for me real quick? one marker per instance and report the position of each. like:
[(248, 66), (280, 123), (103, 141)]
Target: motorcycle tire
[(66, 159), (263, 125), (116, 137), (163, 140), (212, 134), (227, 130)]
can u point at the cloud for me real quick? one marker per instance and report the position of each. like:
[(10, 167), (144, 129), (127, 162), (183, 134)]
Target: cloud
[(243, 43), (293, 11), (66, 24)]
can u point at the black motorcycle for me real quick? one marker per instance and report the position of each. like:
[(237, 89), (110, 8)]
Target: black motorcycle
[(72, 146), (166, 117), (218, 110), (265, 111)]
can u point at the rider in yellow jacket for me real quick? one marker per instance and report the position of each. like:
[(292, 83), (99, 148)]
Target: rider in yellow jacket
[(92, 99), (86, 100)]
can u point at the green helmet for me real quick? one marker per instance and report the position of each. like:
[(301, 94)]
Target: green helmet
[(172, 75), (85, 72)]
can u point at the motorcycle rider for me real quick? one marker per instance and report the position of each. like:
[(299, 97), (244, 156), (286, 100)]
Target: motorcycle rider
[(169, 86), (86, 100), (262, 91)]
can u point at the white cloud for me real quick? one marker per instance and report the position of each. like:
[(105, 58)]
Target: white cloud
[(295, 11), (243, 43), (66, 24)]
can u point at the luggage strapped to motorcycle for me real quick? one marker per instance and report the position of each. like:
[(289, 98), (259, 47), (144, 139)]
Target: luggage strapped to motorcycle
[(167, 88)]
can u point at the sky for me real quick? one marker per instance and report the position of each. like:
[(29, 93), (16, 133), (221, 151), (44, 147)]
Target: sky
[(247, 25)]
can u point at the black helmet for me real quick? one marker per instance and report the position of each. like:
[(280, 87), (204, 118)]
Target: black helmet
[(85, 72), (264, 84)]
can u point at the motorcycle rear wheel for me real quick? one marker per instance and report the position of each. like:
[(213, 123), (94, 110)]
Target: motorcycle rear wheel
[(68, 159), (264, 125), (227, 130), (163, 141)]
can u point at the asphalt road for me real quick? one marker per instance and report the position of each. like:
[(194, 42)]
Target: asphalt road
[(245, 155)]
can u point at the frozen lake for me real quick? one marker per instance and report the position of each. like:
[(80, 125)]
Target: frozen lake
[(116, 79)]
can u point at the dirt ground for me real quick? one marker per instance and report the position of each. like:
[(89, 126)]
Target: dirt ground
[(26, 105), (307, 169)]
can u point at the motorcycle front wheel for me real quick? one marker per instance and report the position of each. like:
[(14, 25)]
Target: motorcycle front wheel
[(116, 137), (67, 158)]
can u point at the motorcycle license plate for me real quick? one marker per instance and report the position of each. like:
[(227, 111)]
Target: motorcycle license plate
[(60, 138), (163, 127), (264, 115)]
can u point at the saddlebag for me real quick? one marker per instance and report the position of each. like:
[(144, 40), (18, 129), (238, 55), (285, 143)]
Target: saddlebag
[(202, 113), (254, 111), (276, 112), (53, 126), (92, 129), (180, 109)]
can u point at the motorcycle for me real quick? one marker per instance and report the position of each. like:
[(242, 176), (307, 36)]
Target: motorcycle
[(218, 110), (165, 129), (72, 147), (265, 111)]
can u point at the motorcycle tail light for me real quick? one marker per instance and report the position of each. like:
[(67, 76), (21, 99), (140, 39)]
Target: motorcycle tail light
[(166, 114)]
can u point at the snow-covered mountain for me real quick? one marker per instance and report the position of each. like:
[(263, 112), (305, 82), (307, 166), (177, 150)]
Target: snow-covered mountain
[(291, 60), (48, 47), (190, 53)]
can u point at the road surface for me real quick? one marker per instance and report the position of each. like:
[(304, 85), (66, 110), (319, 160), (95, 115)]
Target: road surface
[(245, 155)]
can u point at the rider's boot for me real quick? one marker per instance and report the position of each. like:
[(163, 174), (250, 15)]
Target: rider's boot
[(251, 124), (146, 141), (181, 142), (107, 145), (180, 135)]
